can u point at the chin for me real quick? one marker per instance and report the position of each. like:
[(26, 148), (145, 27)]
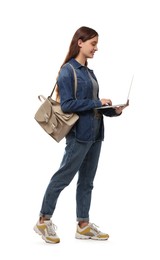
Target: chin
[(91, 56)]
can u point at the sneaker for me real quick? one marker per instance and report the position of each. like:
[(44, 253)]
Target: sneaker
[(90, 232), (47, 231)]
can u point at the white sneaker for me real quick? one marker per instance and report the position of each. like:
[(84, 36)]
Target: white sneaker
[(90, 232), (47, 231)]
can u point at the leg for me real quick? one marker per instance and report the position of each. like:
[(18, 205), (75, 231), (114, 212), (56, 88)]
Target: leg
[(85, 182), (74, 155)]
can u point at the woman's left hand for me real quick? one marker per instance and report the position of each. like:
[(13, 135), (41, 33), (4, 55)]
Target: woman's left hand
[(120, 108)]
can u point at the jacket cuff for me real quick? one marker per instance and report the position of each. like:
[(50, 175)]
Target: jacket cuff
[(97, 103)]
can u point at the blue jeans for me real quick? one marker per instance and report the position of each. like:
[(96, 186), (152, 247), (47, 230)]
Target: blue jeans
[(81, 157)]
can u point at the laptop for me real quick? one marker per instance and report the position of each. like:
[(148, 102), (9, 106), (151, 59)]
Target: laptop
[(119, 105)]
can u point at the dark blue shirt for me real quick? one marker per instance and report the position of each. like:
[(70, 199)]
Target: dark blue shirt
[(90, 126)]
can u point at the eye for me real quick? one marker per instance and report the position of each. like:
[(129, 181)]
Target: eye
[(94, 44)]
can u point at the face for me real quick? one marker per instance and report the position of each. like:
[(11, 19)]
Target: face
[(88, 48)]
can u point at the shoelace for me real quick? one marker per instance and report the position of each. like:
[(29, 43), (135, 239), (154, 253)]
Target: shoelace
[(51, 229), (95, 227)]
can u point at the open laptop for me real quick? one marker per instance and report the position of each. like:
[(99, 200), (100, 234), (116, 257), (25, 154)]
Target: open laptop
[(119, 105)]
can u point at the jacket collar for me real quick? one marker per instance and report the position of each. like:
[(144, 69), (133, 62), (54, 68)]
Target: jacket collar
[(77, 65)]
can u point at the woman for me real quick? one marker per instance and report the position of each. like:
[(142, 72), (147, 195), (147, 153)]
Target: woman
[(83, 143)]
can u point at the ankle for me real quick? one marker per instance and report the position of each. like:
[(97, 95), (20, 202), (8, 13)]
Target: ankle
[(42, 219), (83, 224)]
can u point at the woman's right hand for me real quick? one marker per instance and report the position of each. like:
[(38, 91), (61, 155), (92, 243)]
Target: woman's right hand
[(106, 102)]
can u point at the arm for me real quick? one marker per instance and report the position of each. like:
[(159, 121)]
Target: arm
[(66, 89), (109, 112), (117, 111)]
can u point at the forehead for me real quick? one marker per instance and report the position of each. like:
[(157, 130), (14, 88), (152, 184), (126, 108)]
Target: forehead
[(94, 39)]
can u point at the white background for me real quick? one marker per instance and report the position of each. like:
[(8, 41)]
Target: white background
[(35, 36)]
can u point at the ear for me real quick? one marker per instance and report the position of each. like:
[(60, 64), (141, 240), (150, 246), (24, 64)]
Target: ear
[(80, 43)]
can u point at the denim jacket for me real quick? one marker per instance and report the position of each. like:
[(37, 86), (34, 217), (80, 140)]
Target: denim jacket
[(83, 104)]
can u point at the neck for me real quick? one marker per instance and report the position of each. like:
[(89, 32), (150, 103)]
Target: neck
[(81, 60)]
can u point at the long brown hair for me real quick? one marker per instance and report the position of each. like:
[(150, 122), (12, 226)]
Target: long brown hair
[(84, 33)]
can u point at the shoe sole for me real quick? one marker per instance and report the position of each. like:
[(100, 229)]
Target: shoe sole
[(43, 237), (79, 236)]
